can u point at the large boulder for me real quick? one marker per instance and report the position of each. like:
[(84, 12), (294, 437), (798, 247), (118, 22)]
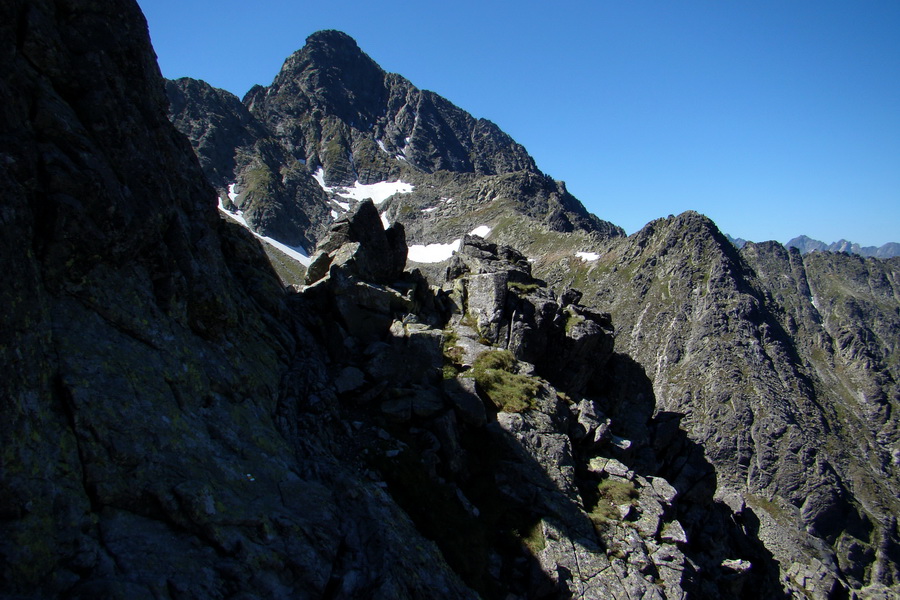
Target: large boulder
[(379, 255)]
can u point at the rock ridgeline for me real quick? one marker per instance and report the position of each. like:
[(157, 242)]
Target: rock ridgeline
[(334, 114), (481, 403)]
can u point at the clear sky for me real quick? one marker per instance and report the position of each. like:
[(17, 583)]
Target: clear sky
[(774, 118)]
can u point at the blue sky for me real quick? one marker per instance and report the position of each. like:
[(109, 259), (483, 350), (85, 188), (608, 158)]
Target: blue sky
[(774, 118)]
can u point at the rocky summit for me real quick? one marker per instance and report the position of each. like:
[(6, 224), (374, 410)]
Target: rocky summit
[(343, 340), (334, 128)]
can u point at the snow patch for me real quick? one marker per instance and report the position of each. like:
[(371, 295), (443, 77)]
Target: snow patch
[(334, 215), (384, 220), (428, 210), (587, 256), (378, 192), (432, 253), (232, 195), (481, 231), (381, 145), (344, 205), (296, 253), (319, 176)]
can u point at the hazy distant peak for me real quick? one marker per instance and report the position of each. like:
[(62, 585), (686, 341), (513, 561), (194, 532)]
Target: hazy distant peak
[(806, 244)]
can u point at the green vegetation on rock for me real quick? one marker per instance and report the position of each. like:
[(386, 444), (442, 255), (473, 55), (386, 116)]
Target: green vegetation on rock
[(509, 391), (610, 494)]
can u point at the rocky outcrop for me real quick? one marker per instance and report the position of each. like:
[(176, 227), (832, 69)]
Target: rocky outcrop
[(378, 254), (499, 302), (522, 486)]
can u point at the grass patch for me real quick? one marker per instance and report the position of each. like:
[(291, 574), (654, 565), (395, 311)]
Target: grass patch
[(522, 288), (257, 182), (453, 355), (618, 491), (774, 510), (533, 537), (508, 391), (603, 513), (610, 494)]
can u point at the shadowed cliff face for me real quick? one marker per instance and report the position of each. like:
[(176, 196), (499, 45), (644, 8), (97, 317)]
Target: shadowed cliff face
[(157, 398)]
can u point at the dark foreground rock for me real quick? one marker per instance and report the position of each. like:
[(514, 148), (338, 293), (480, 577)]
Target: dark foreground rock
[(167, 429)]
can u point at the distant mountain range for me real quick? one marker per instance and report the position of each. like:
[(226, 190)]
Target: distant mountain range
[(806, 245)]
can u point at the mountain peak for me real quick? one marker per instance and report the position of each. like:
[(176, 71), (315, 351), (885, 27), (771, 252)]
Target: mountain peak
[(330, 48), (331, 37)]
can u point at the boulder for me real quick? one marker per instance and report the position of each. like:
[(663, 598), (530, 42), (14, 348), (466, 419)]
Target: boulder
[(486, 295), (359, 243)]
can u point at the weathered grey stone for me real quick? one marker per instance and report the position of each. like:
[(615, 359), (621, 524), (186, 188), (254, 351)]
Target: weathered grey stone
[(426, 403), (413, 355), (651, 513), (398, 408), (617, 469), (486, 301), (663, 489), (673, 532), (592, 425)]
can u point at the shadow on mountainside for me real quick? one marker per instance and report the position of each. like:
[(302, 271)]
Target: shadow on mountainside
[(726, 557)]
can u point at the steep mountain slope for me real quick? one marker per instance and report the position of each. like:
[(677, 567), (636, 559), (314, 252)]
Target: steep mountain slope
[(278, 198), (334, 114), (784, 369)]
